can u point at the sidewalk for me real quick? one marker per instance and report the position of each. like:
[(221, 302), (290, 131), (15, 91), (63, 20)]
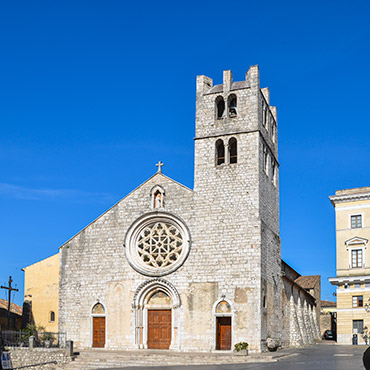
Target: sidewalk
[(100, 358)]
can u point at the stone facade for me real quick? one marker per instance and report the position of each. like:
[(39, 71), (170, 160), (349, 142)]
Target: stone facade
[(300, 318), (211, 256)]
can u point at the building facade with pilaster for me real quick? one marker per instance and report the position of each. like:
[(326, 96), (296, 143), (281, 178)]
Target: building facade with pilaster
[(352, 220)]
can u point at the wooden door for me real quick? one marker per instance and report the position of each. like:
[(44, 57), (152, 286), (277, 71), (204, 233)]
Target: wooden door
[(98, 332), (223, 334), (159, 329)]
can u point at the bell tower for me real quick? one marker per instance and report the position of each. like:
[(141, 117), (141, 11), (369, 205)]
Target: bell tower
[(235, 138), (237, 169)]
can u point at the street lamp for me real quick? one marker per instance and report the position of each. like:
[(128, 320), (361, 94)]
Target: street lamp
[(367, 306)]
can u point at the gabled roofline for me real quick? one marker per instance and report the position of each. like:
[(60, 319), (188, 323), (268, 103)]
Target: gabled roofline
[(285, 263), (151, 177), (15, 309), (44, 259), (294, 283), (315, 279)]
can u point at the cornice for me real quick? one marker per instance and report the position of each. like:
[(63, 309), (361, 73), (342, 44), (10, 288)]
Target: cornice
[(349, 279), (334, 199)]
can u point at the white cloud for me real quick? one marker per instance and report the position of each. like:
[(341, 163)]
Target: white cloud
[(21, 192)]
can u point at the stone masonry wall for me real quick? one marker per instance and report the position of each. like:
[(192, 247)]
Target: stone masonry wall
[(300, 323), (270, 216), (94, 267), (234, 187), (26, 357)]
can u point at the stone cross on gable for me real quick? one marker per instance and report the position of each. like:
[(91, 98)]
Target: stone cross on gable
[(159, 165)]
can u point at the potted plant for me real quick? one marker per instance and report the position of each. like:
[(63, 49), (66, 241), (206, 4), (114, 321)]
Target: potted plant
[(241, 349)]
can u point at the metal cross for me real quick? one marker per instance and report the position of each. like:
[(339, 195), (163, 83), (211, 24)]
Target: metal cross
[(159, 165), (10, 290)]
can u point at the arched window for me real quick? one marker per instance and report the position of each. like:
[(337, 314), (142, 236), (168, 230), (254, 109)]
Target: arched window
[(220, 152), (220, 107), (232, 105), (52, 316), (233, 150)]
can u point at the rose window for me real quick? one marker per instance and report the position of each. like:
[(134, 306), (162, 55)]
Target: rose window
[(159, 244)]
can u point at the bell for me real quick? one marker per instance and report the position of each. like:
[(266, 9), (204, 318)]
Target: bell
[(232, 111)]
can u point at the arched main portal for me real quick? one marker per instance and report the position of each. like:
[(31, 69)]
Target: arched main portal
[(156, 304)]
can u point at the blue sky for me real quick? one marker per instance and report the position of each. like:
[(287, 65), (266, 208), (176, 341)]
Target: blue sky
[(94, 93)]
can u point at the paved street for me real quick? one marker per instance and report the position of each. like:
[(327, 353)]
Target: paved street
[(323, 356)]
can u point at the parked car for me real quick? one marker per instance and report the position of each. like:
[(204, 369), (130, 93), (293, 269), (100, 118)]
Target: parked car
[(328, 335)]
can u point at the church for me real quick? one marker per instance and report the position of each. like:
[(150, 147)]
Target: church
[(168, 267)]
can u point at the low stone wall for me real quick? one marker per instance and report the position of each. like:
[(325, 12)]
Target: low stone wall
[(25, 357)]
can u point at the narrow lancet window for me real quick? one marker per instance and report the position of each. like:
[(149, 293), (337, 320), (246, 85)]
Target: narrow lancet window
[(157, 197), (274, 173), (220, 107), (220, 152), (265, 161), (232, 106), (273, 131), (233, 150), (52, 316), (265, 117)]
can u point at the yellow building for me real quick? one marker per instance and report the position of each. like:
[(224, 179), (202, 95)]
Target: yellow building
[(41, 289), (352, 214)]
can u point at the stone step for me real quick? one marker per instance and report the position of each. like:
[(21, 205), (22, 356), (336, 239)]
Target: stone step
[(95, 359)]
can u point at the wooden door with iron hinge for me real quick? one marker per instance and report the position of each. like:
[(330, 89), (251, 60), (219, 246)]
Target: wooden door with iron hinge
[(98, 332)]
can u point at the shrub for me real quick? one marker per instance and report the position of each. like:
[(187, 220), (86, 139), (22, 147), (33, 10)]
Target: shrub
[(241, 346)]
